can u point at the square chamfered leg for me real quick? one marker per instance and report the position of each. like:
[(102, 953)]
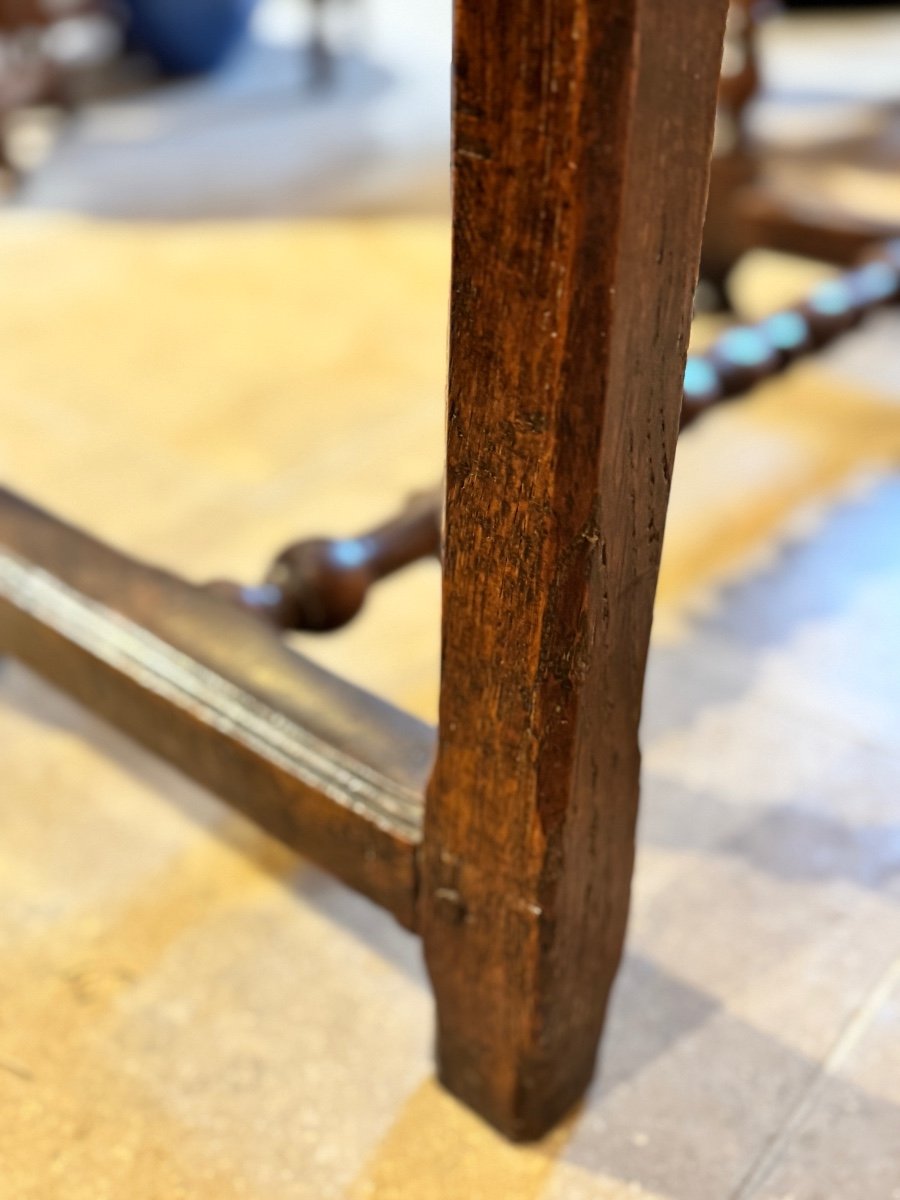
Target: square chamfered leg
[(581, 150), (582, 134)]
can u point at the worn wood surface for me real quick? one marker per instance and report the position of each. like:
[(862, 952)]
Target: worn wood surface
[(328, 769), (219, 1024), (581, 147), (322, 583)]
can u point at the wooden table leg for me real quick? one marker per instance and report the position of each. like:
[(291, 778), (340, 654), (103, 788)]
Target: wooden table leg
[(581, 150)]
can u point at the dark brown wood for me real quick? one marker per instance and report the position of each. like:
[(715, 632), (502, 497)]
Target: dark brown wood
[(581, 149), (748, 354), (328, 769), (22, 14), (582, 136), (321, 583), (16, 15), (325, 581)]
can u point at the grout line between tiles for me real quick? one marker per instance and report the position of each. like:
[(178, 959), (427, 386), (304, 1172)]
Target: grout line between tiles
[(840, 1051)]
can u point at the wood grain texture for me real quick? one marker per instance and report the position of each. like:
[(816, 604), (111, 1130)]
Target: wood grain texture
[(581, 149), (328, 769)]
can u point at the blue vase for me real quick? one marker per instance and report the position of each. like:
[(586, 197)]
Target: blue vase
[(187, 37)]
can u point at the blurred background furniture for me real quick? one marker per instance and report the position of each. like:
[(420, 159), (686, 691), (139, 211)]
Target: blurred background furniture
[(56, 55), (45, 47), (321, 584), (763, 195)]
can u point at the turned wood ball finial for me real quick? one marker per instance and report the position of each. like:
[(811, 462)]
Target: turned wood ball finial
[(320, 584)]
